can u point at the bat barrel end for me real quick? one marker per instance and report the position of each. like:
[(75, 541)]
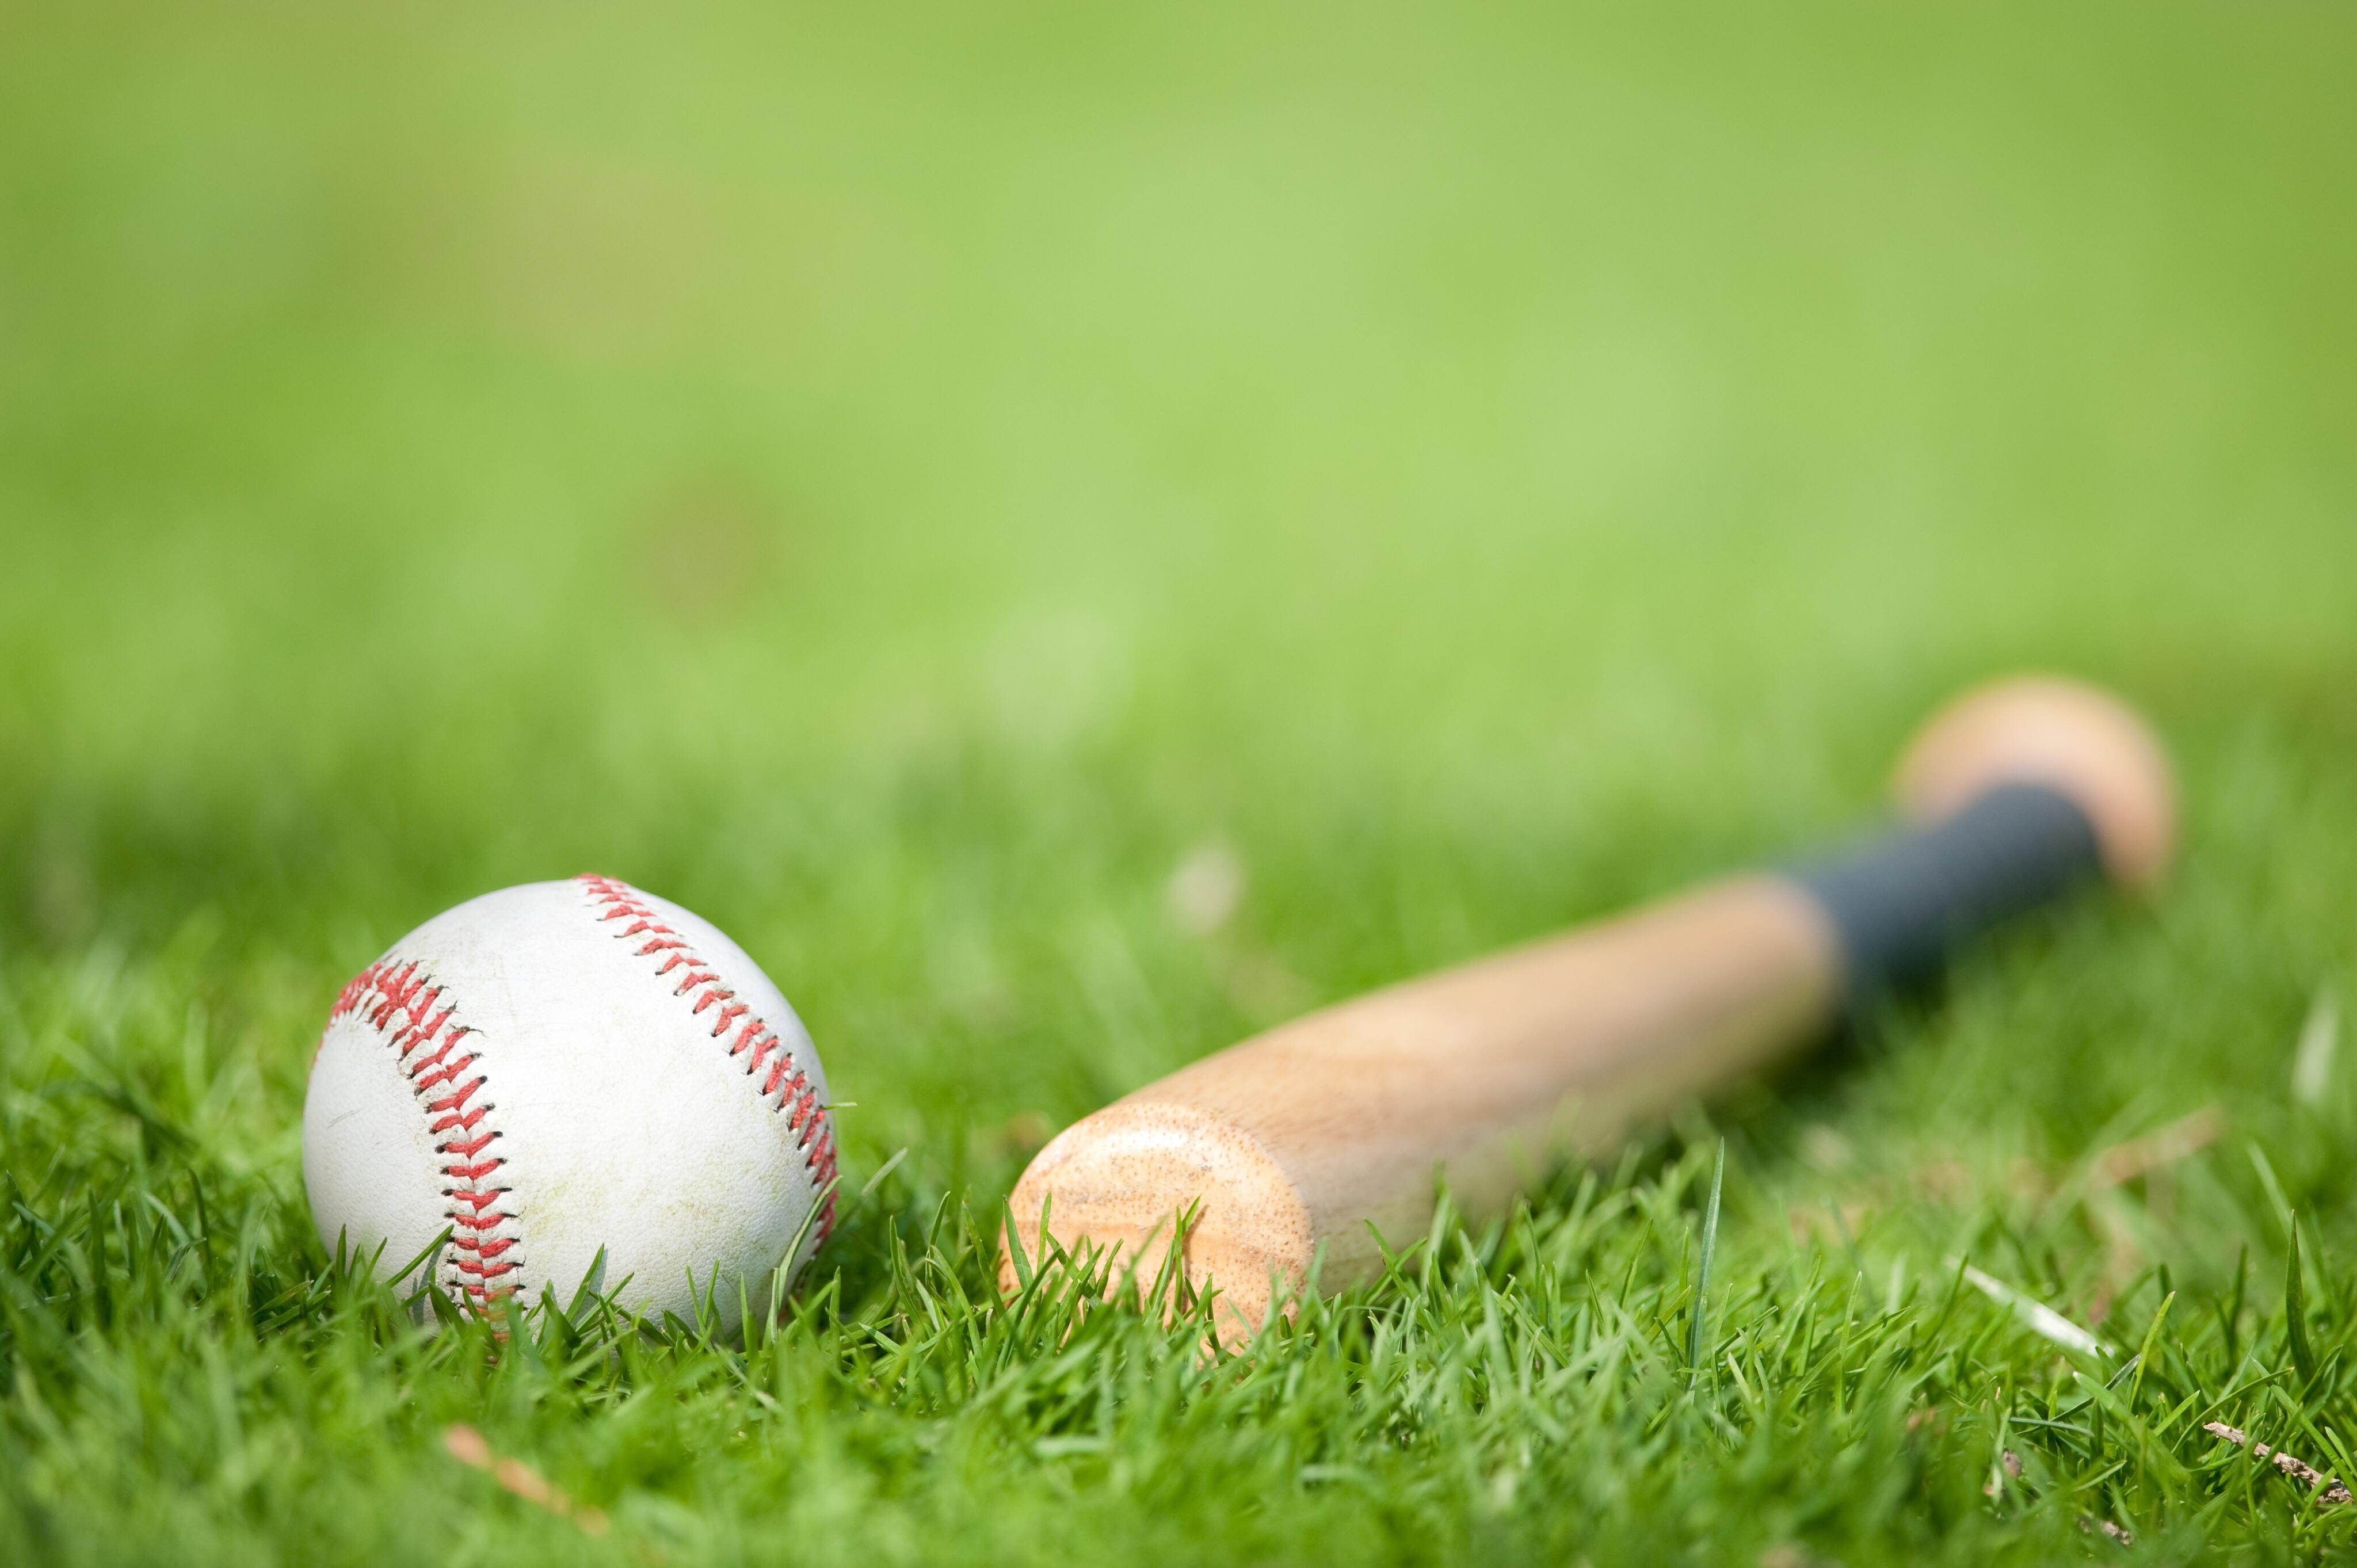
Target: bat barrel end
[(2065, 734), (1120, 1185)]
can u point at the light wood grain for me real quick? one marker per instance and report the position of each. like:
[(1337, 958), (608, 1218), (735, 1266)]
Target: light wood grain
[(1305, 1136)]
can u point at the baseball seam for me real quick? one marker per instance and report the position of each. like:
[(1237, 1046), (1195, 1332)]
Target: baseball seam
[(786, 1084), (406, 1007)]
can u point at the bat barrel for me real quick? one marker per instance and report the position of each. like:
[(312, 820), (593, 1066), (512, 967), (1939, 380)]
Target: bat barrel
[(1293, 1144)]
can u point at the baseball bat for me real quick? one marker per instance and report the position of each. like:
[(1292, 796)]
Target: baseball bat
[(1290, 1145)]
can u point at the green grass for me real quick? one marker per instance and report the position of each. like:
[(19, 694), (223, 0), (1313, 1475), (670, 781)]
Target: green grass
[(901, 486)]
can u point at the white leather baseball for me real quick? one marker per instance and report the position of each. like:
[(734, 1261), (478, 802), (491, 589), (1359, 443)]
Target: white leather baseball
[(555, 1068)]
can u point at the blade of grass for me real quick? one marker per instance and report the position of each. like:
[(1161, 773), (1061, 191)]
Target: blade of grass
[(1696, 1323)]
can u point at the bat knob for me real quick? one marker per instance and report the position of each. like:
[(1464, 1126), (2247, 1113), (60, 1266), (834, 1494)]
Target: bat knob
[(2065, 734)]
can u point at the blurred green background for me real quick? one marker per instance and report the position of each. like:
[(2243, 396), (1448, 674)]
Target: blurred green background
[(906, 482), (896, 483)]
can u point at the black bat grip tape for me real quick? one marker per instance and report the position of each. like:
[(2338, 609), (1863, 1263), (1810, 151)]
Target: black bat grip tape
[(1901, 903)]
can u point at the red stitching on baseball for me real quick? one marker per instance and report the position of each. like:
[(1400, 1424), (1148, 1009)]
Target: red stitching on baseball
[(810, 1122), (443, 1074), (395, 1002)]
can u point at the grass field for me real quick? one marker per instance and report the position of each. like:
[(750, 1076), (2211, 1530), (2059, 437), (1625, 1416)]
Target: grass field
[(903, 486)]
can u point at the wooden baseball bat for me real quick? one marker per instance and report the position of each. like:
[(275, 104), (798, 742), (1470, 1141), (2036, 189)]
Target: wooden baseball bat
[(1292, 1144)]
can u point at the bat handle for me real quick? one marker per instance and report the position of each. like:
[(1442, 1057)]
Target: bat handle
[(1900, 906), (2019, 792)]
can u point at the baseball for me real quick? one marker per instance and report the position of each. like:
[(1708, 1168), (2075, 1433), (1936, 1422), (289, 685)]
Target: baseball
[(565, 1068)]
